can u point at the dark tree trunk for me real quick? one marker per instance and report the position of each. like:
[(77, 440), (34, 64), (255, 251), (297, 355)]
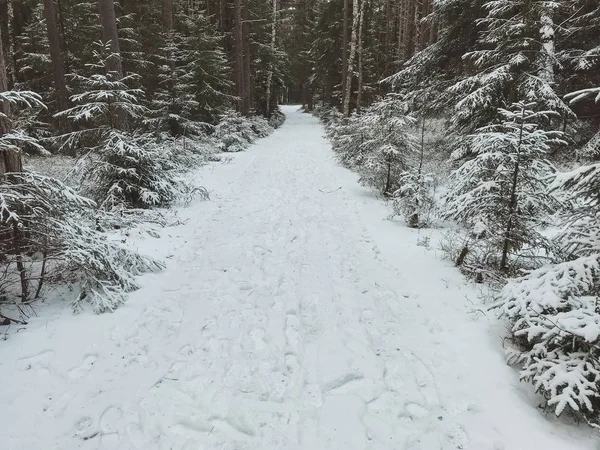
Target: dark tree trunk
[(345, 48), (56, 57), (168, 14), (10, 161), (512, 205), (247, 55), (108, 20), (5, 40), (241, 59), (21, 16)]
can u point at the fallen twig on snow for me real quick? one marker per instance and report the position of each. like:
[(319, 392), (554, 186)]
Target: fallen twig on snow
[(329, 192)]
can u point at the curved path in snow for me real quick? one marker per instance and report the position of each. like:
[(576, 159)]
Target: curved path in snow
[(292, 316)]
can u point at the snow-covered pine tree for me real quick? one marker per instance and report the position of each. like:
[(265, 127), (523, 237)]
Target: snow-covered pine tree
[(515, 62), (174, 103), (386, 144), (500, 192), (192, 79), (124, 167), (269, 61), (432, 70), (415, 197)]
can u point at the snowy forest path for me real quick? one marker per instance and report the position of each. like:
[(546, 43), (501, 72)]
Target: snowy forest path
[(292, 316)]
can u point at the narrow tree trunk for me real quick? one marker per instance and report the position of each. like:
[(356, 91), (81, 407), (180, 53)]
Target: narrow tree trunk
[(422, 152), (360, 55), (345, 48), (16, 238), (5, 37), (388, 178), (64, 48), (60, 84), (168, 14), (407, 45), (351, 56), (548, 47), (512, 206), (243, 105), (273, 43), (108, 20), (10, 161), (247, 55)]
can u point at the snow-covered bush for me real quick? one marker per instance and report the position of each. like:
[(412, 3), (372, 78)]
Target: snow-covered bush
[(277, 119), (414, 199), (500, 191), (554, 311), (235, 133), (555, 323), (48, 235)]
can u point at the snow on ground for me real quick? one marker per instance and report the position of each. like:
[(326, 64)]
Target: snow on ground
[(292, 315)]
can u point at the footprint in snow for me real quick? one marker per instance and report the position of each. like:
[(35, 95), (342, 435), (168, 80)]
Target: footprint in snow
[(84, 368), (38, 362)]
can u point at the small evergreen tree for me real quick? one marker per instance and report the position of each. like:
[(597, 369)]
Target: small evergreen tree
[(387, 145), (500, 191), (124, 167), (414, 199)]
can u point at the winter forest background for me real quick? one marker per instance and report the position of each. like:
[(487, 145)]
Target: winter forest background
[(478, 117)]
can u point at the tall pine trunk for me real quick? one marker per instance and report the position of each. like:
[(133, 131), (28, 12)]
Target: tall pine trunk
[(5, 38), (10, 160), (168, 14), (247, 56), (240, 60), (344, 48), (548, 46), (110, 34), (360, 55), (62, 95), (351, 56), (273, 43)]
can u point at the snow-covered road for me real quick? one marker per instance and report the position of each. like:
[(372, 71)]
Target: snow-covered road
[(292, 316)]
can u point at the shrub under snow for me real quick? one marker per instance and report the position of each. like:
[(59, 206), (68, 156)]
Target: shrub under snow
[(554, 311), (41, 216), (235, 133)]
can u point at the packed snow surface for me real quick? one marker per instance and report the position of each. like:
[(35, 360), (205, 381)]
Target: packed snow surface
[(292, 315)]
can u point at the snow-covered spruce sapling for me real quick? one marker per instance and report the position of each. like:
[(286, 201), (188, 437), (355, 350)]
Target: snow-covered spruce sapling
[(174, 102), (124, 167), (414, 199), (54, 222), (386, 145), (500, 190)]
